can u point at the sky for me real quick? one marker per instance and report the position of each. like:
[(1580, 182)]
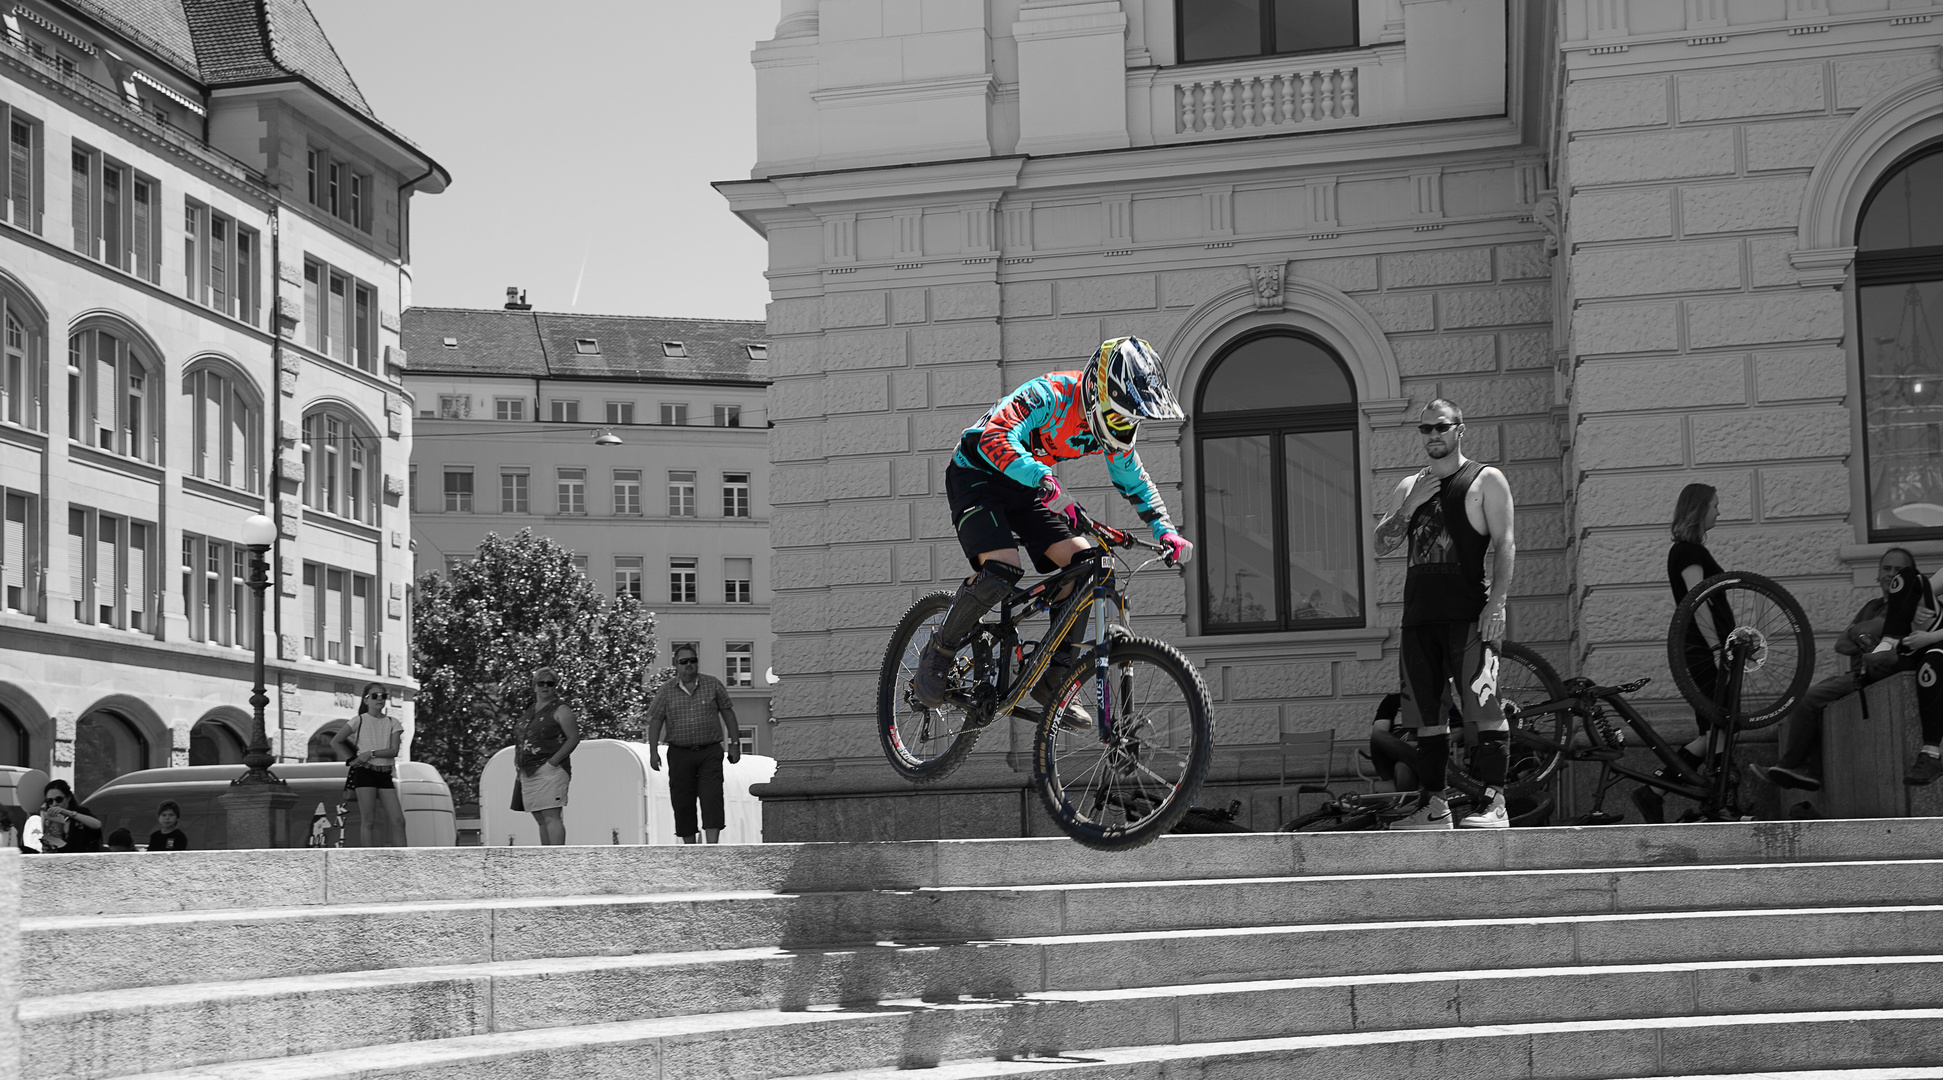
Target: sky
[(581, 137)]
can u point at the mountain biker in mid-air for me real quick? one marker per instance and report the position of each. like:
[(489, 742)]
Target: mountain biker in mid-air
[(1000, 484)]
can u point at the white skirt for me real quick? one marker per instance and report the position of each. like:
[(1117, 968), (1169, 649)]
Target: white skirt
[(546, 789)]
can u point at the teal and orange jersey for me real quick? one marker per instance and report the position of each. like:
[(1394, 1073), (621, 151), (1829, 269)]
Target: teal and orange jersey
[(1044, 421)]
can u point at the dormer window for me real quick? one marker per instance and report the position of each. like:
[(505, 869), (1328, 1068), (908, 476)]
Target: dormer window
[(758, 352), (450, 343), (674, 349), (586, 346)]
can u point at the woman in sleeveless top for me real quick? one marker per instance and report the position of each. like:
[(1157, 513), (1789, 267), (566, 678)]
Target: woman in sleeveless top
[(546, 742), (370, 742), (1688, 563)]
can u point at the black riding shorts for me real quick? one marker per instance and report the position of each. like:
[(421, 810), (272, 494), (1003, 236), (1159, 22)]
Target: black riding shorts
[(989, 509), (1439, 656)]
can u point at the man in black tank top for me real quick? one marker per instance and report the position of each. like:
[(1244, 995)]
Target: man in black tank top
[(1451, 513)]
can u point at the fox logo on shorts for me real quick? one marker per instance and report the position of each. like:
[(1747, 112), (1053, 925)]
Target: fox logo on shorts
[(1926, 675), (1485, 686)]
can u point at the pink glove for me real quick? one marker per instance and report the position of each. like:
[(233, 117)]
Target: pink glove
[(1049, 490), (1179, 550)]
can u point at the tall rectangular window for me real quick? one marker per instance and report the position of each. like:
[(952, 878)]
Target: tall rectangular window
[(674, 415), (109, 569), (627, 491), (681, 493), (337, 314), (458, 491), (728, 416), (741, 664), (356, 216), (21, 201), (512, 492), (226, 430), (735, 495), (627, 575), (313, 327), (509, 408), (681, 581), (564, 412), (364, 345), (340, 617), (736, 581), (20, 552), (1229, 29), (620, 412), (573, 491), (81, 199), (114, 214)]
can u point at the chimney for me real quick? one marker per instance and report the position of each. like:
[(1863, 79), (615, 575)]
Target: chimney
[(516, 299)]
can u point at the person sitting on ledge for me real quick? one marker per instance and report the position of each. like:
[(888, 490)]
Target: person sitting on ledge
[(1895, 632)]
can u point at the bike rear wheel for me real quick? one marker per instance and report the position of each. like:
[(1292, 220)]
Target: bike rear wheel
[(1777, 667), (923, 744), (1122, 792), (1538, 740)]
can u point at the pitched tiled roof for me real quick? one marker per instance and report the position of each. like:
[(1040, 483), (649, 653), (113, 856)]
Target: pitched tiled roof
[(226, 42), (494, 341)]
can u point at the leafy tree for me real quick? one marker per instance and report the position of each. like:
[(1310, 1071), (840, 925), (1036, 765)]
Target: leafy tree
[(480, 632)]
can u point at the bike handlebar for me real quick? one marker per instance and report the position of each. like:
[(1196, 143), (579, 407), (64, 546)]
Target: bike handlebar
[(1113, 537)]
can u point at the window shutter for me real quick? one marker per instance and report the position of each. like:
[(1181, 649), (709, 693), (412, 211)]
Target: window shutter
[(79, 210), (15, 550), (311, 586), (104, 390), (20, 173), (313, 304), (236, 467), (219, 229), (209, 427), (107, 573), (360, 598), (114, 250), (137, 575), (140, 234), (334, 615), (77, 563), (339, 339)]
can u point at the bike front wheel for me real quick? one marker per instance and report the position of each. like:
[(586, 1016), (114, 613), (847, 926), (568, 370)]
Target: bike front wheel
[(923, 744), (1538, 740), (1135, 784), (1776, 649)]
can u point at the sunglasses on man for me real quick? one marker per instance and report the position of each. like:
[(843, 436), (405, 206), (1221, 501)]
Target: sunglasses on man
[(1437, 428)]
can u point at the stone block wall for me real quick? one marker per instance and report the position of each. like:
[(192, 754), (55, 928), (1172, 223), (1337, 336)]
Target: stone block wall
[(1697, 352)]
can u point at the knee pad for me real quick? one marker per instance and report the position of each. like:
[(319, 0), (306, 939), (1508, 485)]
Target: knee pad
[(994, 582)]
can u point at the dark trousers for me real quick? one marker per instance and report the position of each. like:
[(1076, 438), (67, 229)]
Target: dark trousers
[(696, 772), (1801, 729)]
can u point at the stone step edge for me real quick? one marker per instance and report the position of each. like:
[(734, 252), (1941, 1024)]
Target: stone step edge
[(729, 896), (1110, 1057), (1903, 1072), (399, 1057), (148, 1000)]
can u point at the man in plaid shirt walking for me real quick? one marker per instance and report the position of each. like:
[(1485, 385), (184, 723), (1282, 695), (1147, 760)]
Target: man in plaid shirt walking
[(688, 706)]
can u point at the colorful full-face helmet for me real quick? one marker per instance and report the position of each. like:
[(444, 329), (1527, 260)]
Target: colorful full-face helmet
[(1124, 385)]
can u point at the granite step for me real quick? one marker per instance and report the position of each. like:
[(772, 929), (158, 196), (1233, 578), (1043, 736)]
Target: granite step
[(220, 880), (95, 950), (758, 1045)]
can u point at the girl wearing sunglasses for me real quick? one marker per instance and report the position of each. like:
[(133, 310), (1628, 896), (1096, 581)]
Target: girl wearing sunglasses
[(371, 742)]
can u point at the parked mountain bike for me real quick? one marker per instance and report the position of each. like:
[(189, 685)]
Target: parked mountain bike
[(1742, 653), (1115, 781)]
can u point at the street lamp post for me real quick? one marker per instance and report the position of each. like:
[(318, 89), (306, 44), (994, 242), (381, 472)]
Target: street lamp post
[(259, 532)]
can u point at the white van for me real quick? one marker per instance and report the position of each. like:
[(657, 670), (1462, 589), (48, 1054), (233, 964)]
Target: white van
[(615, 798)]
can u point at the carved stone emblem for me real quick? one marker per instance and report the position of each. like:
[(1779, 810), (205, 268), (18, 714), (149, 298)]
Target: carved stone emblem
[(1268, 284)]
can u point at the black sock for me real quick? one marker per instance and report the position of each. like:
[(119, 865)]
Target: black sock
[(1433, 753)]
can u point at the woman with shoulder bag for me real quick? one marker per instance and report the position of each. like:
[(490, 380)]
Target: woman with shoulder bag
[(371, 742), (548, 735)]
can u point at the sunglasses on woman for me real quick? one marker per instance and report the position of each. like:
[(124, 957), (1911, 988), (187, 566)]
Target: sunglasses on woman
[(546, 682)]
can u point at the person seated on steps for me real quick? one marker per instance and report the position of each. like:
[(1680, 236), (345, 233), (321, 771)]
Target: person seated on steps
[(1895, 632)]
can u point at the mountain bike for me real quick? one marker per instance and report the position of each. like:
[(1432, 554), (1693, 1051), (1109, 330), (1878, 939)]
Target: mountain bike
[(1117, 780), (1742, 653)]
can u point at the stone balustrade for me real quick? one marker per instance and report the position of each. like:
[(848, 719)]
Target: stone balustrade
[(1251, 100)]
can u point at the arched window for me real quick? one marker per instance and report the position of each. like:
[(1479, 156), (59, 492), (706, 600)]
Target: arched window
[(23, 364), (1899, 291), (213, 742), (340, 465), (1275, 439), (319, 748), (111, 399), (228, 421), (106, 745), (13, 739)]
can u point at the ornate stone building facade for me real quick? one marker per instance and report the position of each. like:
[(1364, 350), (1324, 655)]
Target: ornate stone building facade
[(205, 248), (1620, 233)]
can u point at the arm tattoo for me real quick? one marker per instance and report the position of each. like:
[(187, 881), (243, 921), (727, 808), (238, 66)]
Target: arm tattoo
[(1391, 532)]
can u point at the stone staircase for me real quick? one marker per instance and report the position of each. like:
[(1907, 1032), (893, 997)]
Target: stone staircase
[(1806, 950)]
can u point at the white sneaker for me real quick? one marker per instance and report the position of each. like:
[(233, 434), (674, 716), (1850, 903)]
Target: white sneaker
[(1493, 816), (1435, 814)]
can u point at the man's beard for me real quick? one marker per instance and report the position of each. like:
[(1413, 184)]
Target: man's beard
[(1437, 453)]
